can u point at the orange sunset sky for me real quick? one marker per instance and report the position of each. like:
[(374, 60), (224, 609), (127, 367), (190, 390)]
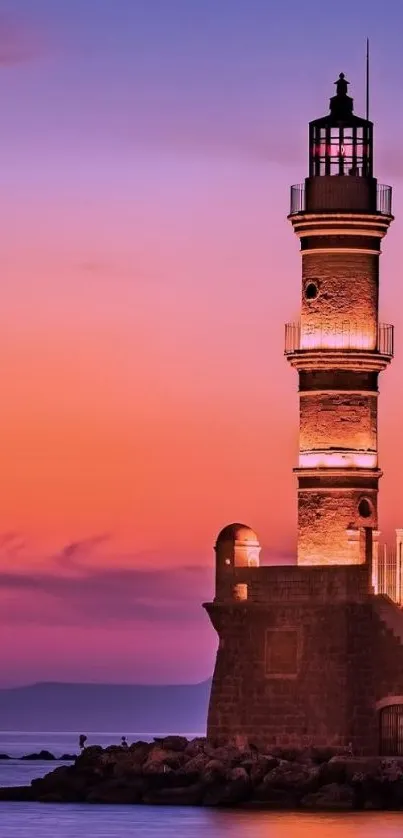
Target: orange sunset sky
[(147, 270)]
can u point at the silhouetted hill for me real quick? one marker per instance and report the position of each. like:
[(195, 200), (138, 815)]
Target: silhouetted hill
[(105, 707)]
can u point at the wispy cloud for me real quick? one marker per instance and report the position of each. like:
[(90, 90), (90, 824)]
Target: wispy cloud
[(99, 595)]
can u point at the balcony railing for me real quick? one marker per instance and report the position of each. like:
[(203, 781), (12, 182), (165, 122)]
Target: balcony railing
[(347, 335), (298, 200)]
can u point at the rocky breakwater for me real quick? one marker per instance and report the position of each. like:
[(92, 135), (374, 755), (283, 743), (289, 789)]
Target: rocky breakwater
[(175, 771)]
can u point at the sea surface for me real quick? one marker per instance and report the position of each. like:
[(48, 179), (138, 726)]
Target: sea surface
[(36, 820)]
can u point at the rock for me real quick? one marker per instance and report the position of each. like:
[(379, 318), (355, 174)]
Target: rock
[(173, 759), (174, 743), (292, 778), (390, 770), (238, 788), (293, 775), (63, 782), (43, 755), (139, 752), (54, 779), (4, 756), (214, 794), (214, 770), (320, 755), (114, 791), (90, 756), (20, 793), (259, 767), (195, 747), (227, 755), (180, 796), (333, 796), (68, 757), (151, 767), (341, 769), (127, 768)]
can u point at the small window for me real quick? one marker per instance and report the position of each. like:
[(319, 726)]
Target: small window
[(281, 655), (240, 592), (364, 508), (311, 290)]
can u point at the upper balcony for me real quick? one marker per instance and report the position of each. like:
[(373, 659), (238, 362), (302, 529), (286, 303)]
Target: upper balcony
[(341, 195), (330, 337)]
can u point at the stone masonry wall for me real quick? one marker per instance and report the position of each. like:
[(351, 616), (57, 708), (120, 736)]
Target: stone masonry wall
[(338, 420), (347, 661), (323, 520), (348, 291)]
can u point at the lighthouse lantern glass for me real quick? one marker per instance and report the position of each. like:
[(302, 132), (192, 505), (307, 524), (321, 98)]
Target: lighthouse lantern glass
[(341, 150)]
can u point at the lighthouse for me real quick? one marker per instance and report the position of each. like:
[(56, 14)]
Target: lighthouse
[(339, 347), (311, 654)]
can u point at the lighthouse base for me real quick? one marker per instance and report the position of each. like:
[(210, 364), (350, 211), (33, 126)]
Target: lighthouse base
[(309, 656)]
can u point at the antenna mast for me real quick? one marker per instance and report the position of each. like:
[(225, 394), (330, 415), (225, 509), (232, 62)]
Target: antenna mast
[(367, 83)]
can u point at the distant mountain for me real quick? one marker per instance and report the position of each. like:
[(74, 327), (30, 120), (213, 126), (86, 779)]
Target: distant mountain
[(127, 708)]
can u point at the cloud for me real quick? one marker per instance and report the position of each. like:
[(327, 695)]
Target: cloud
[(99, 596), (76, 550)]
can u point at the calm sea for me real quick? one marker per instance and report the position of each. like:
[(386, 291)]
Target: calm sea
[(34, 820)]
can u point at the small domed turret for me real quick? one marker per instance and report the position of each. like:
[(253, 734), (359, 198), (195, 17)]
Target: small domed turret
[(238, 546)]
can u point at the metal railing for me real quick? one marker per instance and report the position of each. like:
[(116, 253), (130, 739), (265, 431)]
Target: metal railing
[(303, 337), (297, 198), (383, 199)]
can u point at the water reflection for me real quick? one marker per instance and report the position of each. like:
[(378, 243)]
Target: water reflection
[(47, 821)]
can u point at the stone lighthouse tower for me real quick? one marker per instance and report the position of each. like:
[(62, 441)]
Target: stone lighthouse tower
[(311, 654), (340, 215)]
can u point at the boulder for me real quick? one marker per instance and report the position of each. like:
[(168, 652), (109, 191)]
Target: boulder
[(138, 752), (194, 767), (238, 787), (173, 759), (228, 755), (214, 771), (195, 747), (180, 796), (294, 775), (90, 756), (341, 769), (65, 783), (174, 743), (54, 780), (160, 768), (20, 793), (114, 791), (333, 796), (259, 767)]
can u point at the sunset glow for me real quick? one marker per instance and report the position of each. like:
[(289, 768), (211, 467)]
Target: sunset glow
[(147, 271)]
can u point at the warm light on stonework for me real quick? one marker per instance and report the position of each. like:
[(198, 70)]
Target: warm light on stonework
[(338, 459), (333, 337)]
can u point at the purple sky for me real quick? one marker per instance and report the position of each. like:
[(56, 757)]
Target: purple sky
[(146, 153)]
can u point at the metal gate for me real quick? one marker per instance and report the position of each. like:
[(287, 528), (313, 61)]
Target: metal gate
[(391, 730)]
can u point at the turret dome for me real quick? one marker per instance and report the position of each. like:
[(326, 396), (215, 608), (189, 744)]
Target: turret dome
[(239, 533)]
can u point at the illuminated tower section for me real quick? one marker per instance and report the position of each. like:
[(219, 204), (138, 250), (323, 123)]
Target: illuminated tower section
[(339, 347)]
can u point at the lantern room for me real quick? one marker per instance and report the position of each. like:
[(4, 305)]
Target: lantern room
[(340, 143)]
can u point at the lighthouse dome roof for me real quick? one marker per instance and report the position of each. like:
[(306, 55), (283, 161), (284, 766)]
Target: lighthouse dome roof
[(237, 532)]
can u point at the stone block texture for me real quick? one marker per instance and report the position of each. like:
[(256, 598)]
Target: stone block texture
[(348, 288), (338, 420), (324, 519), (304, 661)]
